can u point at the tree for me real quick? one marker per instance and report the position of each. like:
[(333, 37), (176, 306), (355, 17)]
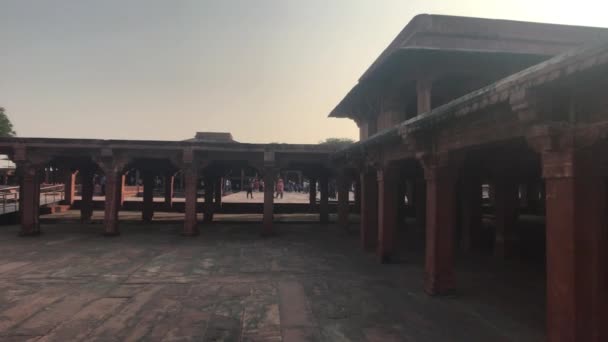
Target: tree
[(338, 143), (6, 127)]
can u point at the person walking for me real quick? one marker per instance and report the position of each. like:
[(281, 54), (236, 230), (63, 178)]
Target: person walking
[(280, 188), (249, 187)]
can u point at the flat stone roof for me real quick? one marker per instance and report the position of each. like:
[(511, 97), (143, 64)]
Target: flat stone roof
[(559, 67), (160, 144), (452, 35)]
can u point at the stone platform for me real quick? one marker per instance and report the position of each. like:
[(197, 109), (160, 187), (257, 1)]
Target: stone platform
[(309, 283)]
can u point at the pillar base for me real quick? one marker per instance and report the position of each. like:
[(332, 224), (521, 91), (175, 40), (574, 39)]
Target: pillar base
[(111, 234), (439, 286), (190, 234)]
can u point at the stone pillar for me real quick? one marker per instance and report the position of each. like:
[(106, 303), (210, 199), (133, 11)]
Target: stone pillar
[(29, 199), (440, 221), (69, 187), (470, 199), (268, 200), (505, 211), (208, 215), (423, 93), (148, 201), (369, 210), (169, 180), (190, 177), (343, 203), (387, 178), (312, 194), (324, 201), (577, 257), (86, 194), (112, 201), (219, 191)]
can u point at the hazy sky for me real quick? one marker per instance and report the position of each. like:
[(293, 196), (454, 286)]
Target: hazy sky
[(267, 71)]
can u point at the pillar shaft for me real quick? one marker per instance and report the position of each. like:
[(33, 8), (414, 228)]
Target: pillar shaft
[(268, 200), (423, 92), (343, 205), (312, 194), (69, 187), (440, 222), (219, 191), (387, 212), (169, 181), (29, 200), (112, 201), (190, 177), (324, 201), (148, 201), (208, 215), (369, 210), (577, 260), (86, 191)]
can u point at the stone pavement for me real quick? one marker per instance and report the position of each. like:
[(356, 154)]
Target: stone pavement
[(309, 283)]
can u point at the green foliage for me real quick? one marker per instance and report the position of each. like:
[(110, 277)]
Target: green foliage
[(338, 143), (6, 127)]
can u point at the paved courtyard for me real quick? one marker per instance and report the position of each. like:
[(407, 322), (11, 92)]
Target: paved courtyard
[(309, 283)]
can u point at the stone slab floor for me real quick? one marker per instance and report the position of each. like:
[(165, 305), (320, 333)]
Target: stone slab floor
[(309, 283)]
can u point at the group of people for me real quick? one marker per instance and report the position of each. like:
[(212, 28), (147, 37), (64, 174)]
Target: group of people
[(258, 185)]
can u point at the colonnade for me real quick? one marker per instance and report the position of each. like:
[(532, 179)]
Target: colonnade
[(576, 223), (114, 173)]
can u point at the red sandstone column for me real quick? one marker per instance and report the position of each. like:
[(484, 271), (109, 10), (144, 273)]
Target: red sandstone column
[(387, 212), (86, 194), (423, 92), (148, 201), (190, 176), (69, 187), (169, 181), (506, 211), (28, 203), (312, 194), (577, 257), (112, 200), (471, 211), (324, 201), (208, 216), (369, 210), (440, 222), (219, 191), (268, 200), (343, 203)]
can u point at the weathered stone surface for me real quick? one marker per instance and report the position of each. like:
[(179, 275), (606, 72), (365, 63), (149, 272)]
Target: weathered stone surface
[(305, 284)]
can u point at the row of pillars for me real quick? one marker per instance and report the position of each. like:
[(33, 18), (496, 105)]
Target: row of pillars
[(576, 232), (114, 197)]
